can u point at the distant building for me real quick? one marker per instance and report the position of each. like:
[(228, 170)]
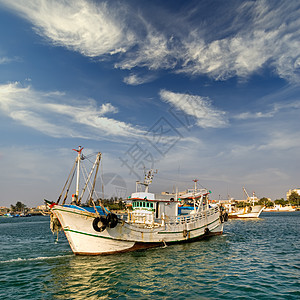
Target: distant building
[(288, 194), (3, 210), (42, 207)]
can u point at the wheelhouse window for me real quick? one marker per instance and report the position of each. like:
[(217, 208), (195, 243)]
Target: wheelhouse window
[(141, 204)]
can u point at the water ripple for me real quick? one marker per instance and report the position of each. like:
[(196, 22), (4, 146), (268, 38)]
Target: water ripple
[(252, 260)]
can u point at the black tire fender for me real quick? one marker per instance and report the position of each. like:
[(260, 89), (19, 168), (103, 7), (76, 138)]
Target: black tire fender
[(185, 233), (98, 224), (225, 217), (112, 220)]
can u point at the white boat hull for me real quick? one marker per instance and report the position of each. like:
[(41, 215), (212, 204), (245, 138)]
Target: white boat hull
[(84, 240), (281, 209), (245, 212)]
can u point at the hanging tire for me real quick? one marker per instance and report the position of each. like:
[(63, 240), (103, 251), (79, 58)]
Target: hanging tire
[(99, 224), (112, 220), (225, 217)]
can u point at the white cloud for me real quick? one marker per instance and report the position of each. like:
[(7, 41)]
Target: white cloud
[(134, 79), (154, 51), (253, 35), (256, 115), (107, 108), (277, 108), (196, 106), (4, 60), (56, 115), (281, 140), (268, 38), (93, 29), (7, 60)]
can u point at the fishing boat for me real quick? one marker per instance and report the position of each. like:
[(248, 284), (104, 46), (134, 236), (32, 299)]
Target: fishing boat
[(154, 221), (280, 208), (252, 210)]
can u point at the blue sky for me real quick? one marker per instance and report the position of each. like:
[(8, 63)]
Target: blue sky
[(195, 89)]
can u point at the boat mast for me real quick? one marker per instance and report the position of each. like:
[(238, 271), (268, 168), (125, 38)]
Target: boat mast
[(195, 185), (78, 171), (195, 191)]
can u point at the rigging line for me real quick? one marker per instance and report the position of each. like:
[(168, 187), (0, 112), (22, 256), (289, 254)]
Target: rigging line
[(181, 181), (72, 171), (89, 188), (101, 175), (169, 179), (83, 172), (91, 198), (87, 179), (90, 155), (67, 191), (95, 177)]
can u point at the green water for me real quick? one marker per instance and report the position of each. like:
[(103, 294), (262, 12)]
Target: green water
[(253, 259)]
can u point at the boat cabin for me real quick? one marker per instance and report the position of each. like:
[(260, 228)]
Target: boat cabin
[(150, 209)]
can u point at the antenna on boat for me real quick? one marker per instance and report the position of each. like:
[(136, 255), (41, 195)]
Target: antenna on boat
[(147, 179)]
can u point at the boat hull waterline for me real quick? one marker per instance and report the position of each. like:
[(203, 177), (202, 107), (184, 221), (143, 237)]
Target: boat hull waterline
[(125, 237)]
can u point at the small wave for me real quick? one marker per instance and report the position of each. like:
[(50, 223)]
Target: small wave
[(19, 259)]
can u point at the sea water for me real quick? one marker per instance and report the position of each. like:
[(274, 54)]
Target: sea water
[(253, 259)]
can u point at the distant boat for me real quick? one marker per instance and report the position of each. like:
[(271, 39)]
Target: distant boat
[(24, 215), (250, 211), (154, 220), (8, 215), (280, 208)]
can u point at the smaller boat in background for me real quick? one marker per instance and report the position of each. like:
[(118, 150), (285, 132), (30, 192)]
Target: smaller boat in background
[(280, 208), (8, 215), (252, 210)]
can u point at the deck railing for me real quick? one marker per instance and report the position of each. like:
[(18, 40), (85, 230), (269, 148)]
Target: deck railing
[(191, 218), (148, 219)]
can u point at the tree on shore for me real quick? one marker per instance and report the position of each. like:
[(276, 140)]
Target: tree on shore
[(294, 198), (265, 201), (281, 202), (20, 207)]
